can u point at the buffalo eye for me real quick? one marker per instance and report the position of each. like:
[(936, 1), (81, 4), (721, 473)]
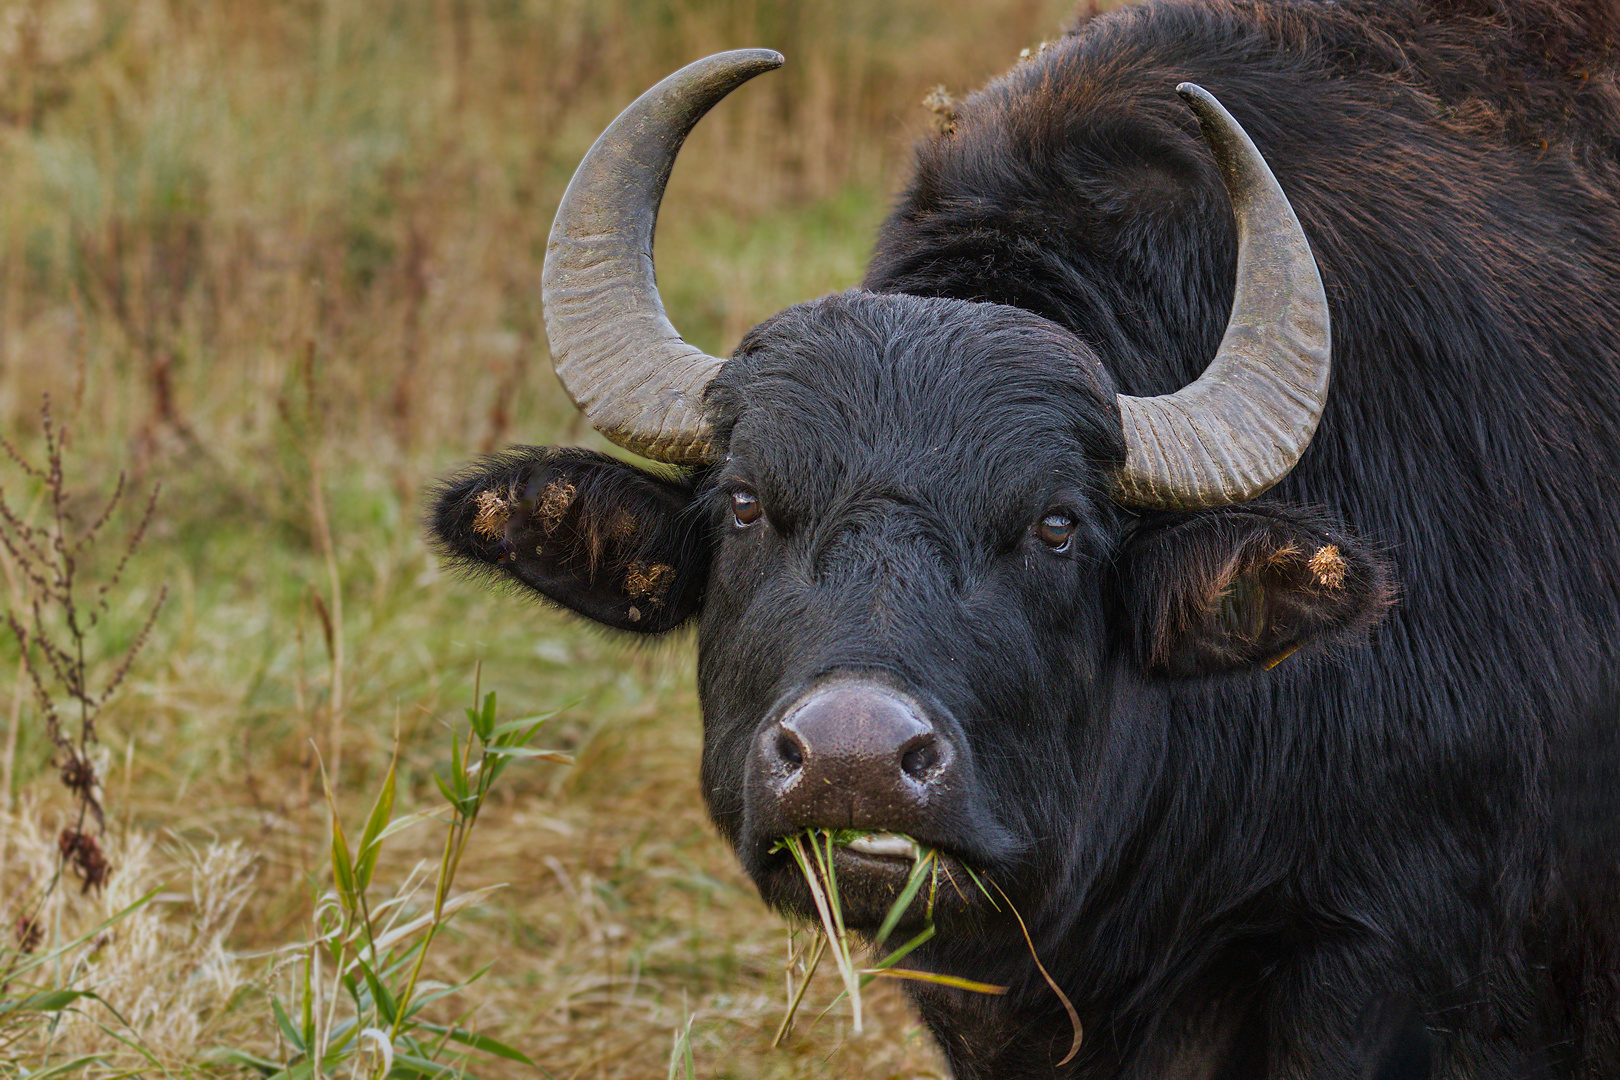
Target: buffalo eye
[(1056, 530), (745, 508)]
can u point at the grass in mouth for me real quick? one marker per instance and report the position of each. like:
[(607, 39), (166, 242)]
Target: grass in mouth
[(812, 851)]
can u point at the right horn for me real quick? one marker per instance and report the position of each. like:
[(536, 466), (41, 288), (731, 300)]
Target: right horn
[(1239, 427), (612, 346)]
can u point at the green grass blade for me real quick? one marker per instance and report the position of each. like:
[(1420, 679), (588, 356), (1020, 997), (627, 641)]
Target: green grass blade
[(68, 1066), (902, 903), (56, 953), (937, 979), (905, 950)]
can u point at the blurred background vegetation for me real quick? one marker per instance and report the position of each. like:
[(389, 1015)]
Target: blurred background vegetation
[(283, 258)]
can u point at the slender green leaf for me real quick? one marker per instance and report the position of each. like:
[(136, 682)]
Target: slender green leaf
[(370, 839), (342, 862), (483, 720), (924, 935), (52, 955), (386, 1008), (48, 1002), (458, 774), (229, 1055), (287, 1028), (402, 823), (938, 979), (308, 1013), (449, 793), (413, 1065), (423, 1001), (902, 903), (55, 1001), (529, 752), (480, 1042), (530, 723), (67, 1067)]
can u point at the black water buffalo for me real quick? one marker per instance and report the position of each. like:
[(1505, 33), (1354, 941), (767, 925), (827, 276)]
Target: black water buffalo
[(1256, 683)]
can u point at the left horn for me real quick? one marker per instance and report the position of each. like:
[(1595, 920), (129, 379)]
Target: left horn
[(1239, 428), (614, 350)]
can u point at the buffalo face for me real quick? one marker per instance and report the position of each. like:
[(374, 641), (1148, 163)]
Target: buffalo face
[(922, 610)]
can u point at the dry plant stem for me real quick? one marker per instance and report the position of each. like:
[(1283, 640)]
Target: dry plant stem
[(1068, 1006), (831, 918), (323, 533), (8, 766), (455, 843), (43, 571), (795, 997)]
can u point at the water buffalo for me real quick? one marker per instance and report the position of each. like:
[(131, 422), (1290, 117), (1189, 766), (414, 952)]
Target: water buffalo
[(1254, 681)]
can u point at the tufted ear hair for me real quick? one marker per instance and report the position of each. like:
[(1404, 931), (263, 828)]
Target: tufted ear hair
[(615, 543), (1244, 587)]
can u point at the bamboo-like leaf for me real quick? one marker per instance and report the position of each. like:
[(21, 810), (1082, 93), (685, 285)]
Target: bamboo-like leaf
[(451, 906), (441, 991), (342, 868), (381, 998), (458, 772), (230, 1055), (342, 862), (301, 1071), (414, 1065), (379, 1038), (448, 792), (308, 1012), (532, 723), (480, 1042), (287, 1029), (529, 752), (371, 838), (482, 720), (400, 824)]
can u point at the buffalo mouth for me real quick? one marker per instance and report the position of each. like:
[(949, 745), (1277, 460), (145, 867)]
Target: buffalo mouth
[(871, 871)]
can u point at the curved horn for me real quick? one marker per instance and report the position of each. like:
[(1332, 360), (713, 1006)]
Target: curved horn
[(613, 347), (1246, 420)]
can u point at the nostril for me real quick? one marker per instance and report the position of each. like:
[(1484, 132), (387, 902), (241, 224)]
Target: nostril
[(921, 759), (788, 750)]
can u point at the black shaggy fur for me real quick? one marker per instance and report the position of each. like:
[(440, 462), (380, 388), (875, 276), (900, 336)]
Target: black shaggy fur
[(1319, 787)]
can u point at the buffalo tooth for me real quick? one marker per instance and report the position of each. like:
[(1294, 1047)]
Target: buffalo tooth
[(884, 845)]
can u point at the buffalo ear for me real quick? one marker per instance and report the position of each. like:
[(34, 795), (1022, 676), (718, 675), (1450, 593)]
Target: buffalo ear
[(1243, 588), (615, 543)]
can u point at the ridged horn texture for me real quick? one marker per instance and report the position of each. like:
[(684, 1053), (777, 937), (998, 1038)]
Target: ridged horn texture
[(1246, 420), (613, 347)]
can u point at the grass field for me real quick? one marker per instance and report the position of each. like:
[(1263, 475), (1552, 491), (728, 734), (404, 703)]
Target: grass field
[(283, 260)]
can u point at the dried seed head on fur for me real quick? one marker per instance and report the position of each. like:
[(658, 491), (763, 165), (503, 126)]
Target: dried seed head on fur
[(555, 500), (649, 581), (1329, 566), (493, 512), (942, 110)]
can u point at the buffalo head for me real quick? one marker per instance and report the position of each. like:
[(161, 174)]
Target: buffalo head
[(942, 570)]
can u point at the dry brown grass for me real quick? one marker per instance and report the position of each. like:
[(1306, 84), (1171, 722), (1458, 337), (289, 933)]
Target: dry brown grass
[(285, 256)]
